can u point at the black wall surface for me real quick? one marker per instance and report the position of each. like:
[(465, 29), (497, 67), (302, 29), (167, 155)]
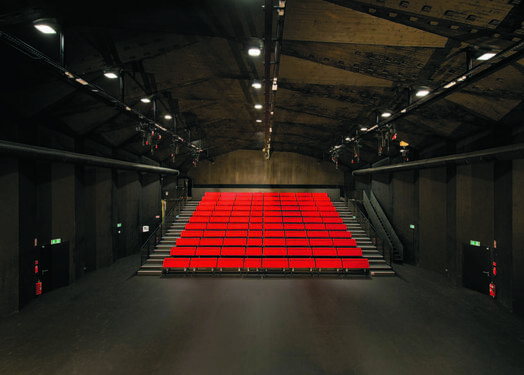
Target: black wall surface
[(453, 205), (78, 204)]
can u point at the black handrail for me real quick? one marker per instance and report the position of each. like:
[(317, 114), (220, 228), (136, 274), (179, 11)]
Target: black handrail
[(156, 235)]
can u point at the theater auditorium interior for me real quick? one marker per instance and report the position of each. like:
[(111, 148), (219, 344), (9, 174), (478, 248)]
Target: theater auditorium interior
[(262, 187)]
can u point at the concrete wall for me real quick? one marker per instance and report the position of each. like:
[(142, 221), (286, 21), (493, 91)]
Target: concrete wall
[(452, 205), (250, 167)]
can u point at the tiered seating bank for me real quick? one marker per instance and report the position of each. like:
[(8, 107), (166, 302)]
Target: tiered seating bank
[(266, 233)]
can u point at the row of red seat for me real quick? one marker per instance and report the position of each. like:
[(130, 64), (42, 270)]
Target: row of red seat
[(267, 219), (265, 226), (263, 241), (241, 251), (218, 264), (265, 233)]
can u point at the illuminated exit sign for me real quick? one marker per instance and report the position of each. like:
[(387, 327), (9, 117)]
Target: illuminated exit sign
[(474, 243), (56, 241)]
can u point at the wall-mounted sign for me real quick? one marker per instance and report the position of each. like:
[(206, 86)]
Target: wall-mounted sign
[(56, 241), (474, 243), (119, 225), (411, 226), (145, 228)]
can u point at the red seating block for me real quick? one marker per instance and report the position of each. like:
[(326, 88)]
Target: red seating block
[(214, 233), (253, 251), (321, 242), (275, 251), (332, 220), (296, 233), (195, 226), (349, 251), (217, 226), (274, 242), (219, 219), (191, 233), (237, 251), (253, 263), (336, 227), (315, 226), (183, 251), (176, 262), (324, 252), (302, 263), (292, 219), (208, 251), (299, 251), (274, 263), (236, 233), (274, 226), (297, 242), (328, 263), (339, 234), (238, 226), (235, 241), (344, 242), (235, 263), (360, 263), (203, 263), (273, 233), (188, 242), (211, 242), (239, 219), (199, 219), (293, 226), (318, 234)]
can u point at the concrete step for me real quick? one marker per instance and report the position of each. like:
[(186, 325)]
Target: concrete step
[(156, 273)]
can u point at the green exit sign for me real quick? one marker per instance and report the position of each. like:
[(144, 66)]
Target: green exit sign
[(119, 225), (474, 243), (411, 226), (56, 241)]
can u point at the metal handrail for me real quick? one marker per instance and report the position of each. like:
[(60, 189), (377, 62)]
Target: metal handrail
[(160, 231), (382, 246)]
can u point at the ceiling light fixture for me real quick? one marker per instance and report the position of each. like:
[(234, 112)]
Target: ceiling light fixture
[(168, 117), (259, 120), (386, 114), (256, 85), (486, 56), (254, 51), (258, 106), (111, 74), (145, 100), (422, 92), (46, 26)]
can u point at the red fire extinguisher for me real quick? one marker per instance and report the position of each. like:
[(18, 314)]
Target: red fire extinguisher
[(38, 290), (492, 290)]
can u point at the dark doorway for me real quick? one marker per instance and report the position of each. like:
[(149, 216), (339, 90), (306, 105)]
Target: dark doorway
[(477, 266), (54, 266)]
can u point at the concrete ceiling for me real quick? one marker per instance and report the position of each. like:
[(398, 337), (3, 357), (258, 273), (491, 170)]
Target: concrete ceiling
[(339, 63)]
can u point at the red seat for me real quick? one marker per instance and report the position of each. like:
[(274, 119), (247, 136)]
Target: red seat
[(208, 251), (360, 263), (274, 226), (230, 263), (239, 219), (183, 251), (299, 251), (328, 263), (297, 242), (315, 226), (234, 241), (211, 242), (275, 251), (188, 242), (274, 263), (238, 226), (324, 252), (233, 251), (199, 219), (349, 251), (253, 251), (296, 233), (253, 263), (332, 220), (217, 226), (344, 242), (219, 219), (214, 233), (339, 234), (318, 234), (311, 219), (274, 242), (191, 233), (273, 233), (301, 263), (195, 226), (176, 262), (321, 242), (254, 241), (293, 226), (273, 219), (336, 227), (236, 233), (203, 263), (292, 219)]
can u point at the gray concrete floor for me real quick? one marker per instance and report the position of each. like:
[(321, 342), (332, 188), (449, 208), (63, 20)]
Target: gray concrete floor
[(112, 322)]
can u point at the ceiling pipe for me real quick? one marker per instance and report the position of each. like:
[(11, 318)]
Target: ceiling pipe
[(37, 152), (96, 90), (484, 69), (443, 160), (268, 35)]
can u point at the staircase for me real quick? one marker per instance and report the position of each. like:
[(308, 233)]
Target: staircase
[(377, 264), (153, 266)]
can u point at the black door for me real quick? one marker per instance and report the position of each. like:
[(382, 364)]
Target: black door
[(54, 266), (477, 267)]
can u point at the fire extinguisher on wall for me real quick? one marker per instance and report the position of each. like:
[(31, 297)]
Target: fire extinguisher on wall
[(492, 291), (38, 284)]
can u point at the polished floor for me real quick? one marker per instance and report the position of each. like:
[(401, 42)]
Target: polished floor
[(112, 322)]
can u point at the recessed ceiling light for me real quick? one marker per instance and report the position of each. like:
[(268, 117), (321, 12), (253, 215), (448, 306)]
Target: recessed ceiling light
[(110, 74), (254, 51), (258, 106), (486, 56)]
